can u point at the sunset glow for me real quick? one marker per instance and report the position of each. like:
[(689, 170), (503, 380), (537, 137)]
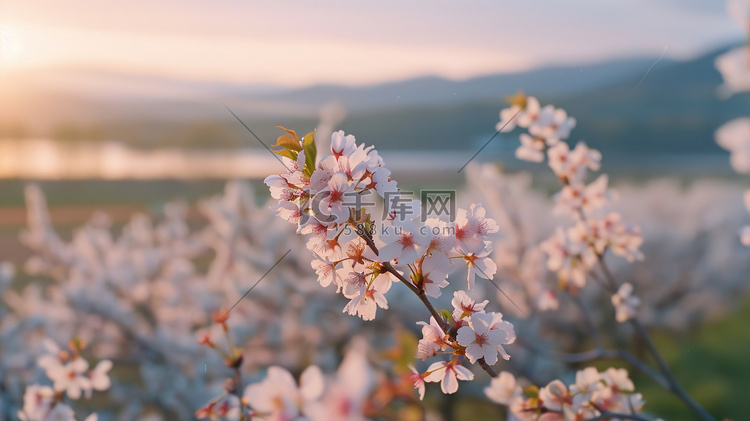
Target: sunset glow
[(342, 42)]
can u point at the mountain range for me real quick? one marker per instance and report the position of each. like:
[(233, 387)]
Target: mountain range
[(636, 106)]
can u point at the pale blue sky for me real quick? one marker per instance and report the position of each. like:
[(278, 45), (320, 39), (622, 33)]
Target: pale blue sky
[(296, 43)]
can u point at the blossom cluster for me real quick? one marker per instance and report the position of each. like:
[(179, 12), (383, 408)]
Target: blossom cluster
[(318, 200), (280, 397), (71, 379), (138, 292), (679, 222), (593, 394), (363, 258), (734, 135), (734, 65), (546, 126), (573, 252), (479, 335)]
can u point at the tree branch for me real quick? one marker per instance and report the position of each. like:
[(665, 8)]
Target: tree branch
[(672, 384), (420, 293), (598, 354)]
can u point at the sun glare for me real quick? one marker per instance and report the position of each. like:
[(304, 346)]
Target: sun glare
[(10, 47)]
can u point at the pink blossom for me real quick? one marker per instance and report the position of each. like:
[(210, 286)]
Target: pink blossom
[(531, 148), (418, 381), (332, 207), (448, 374), (485, 336), (433, 339), (69, 377), (279, 398), (625, 303), (464, 306), (504, 389)]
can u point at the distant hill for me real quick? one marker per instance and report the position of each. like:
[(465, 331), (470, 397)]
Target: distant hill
[(675, 109), (153, 110), (430, 91)]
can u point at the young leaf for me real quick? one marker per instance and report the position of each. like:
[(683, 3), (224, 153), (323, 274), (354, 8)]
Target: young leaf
[(447, 315), (311, 151), (287, 153), (288, 142), (531, 392), (291, 133), (518, 99)]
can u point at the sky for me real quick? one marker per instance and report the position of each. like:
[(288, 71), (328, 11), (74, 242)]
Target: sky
[(298, 43)]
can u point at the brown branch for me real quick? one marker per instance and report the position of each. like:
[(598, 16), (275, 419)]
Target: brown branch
[(672, 384), (420, 293)]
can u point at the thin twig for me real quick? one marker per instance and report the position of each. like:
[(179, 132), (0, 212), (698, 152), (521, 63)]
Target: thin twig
[(597, 354), (672, 384), (486, 367), (589, 321), (422, 297), (606, 415)]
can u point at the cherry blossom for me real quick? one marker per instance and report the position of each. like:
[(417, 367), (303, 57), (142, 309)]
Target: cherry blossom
[(278, 397), (555, 395), (552, 125), (592, 393), (464, 306), (566, 258), (333, 205), (623, 239), (418, 381), (67, 377), (37, 402), (345, 396), (473, 229), (571, 165), (745, 231), (433, 339), (485, 336), (60, 412), (734, 136), (587, 382), (402, 245), (503, 389), (625, 303), (448, 374), (227, 406), (366, 296), (576, 198), (734, 69), (478, 264), (745, 235), (508, 120), (430, 277), (326, 272), (531, 149), (530, 113)]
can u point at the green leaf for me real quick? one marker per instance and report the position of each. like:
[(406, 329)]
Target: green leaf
[(407, 344), (447, 315), (311, 152), (531, 392)]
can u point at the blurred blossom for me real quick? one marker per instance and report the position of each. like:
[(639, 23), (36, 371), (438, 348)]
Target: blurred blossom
[(734, 67), (734, 136), (625, 303)]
